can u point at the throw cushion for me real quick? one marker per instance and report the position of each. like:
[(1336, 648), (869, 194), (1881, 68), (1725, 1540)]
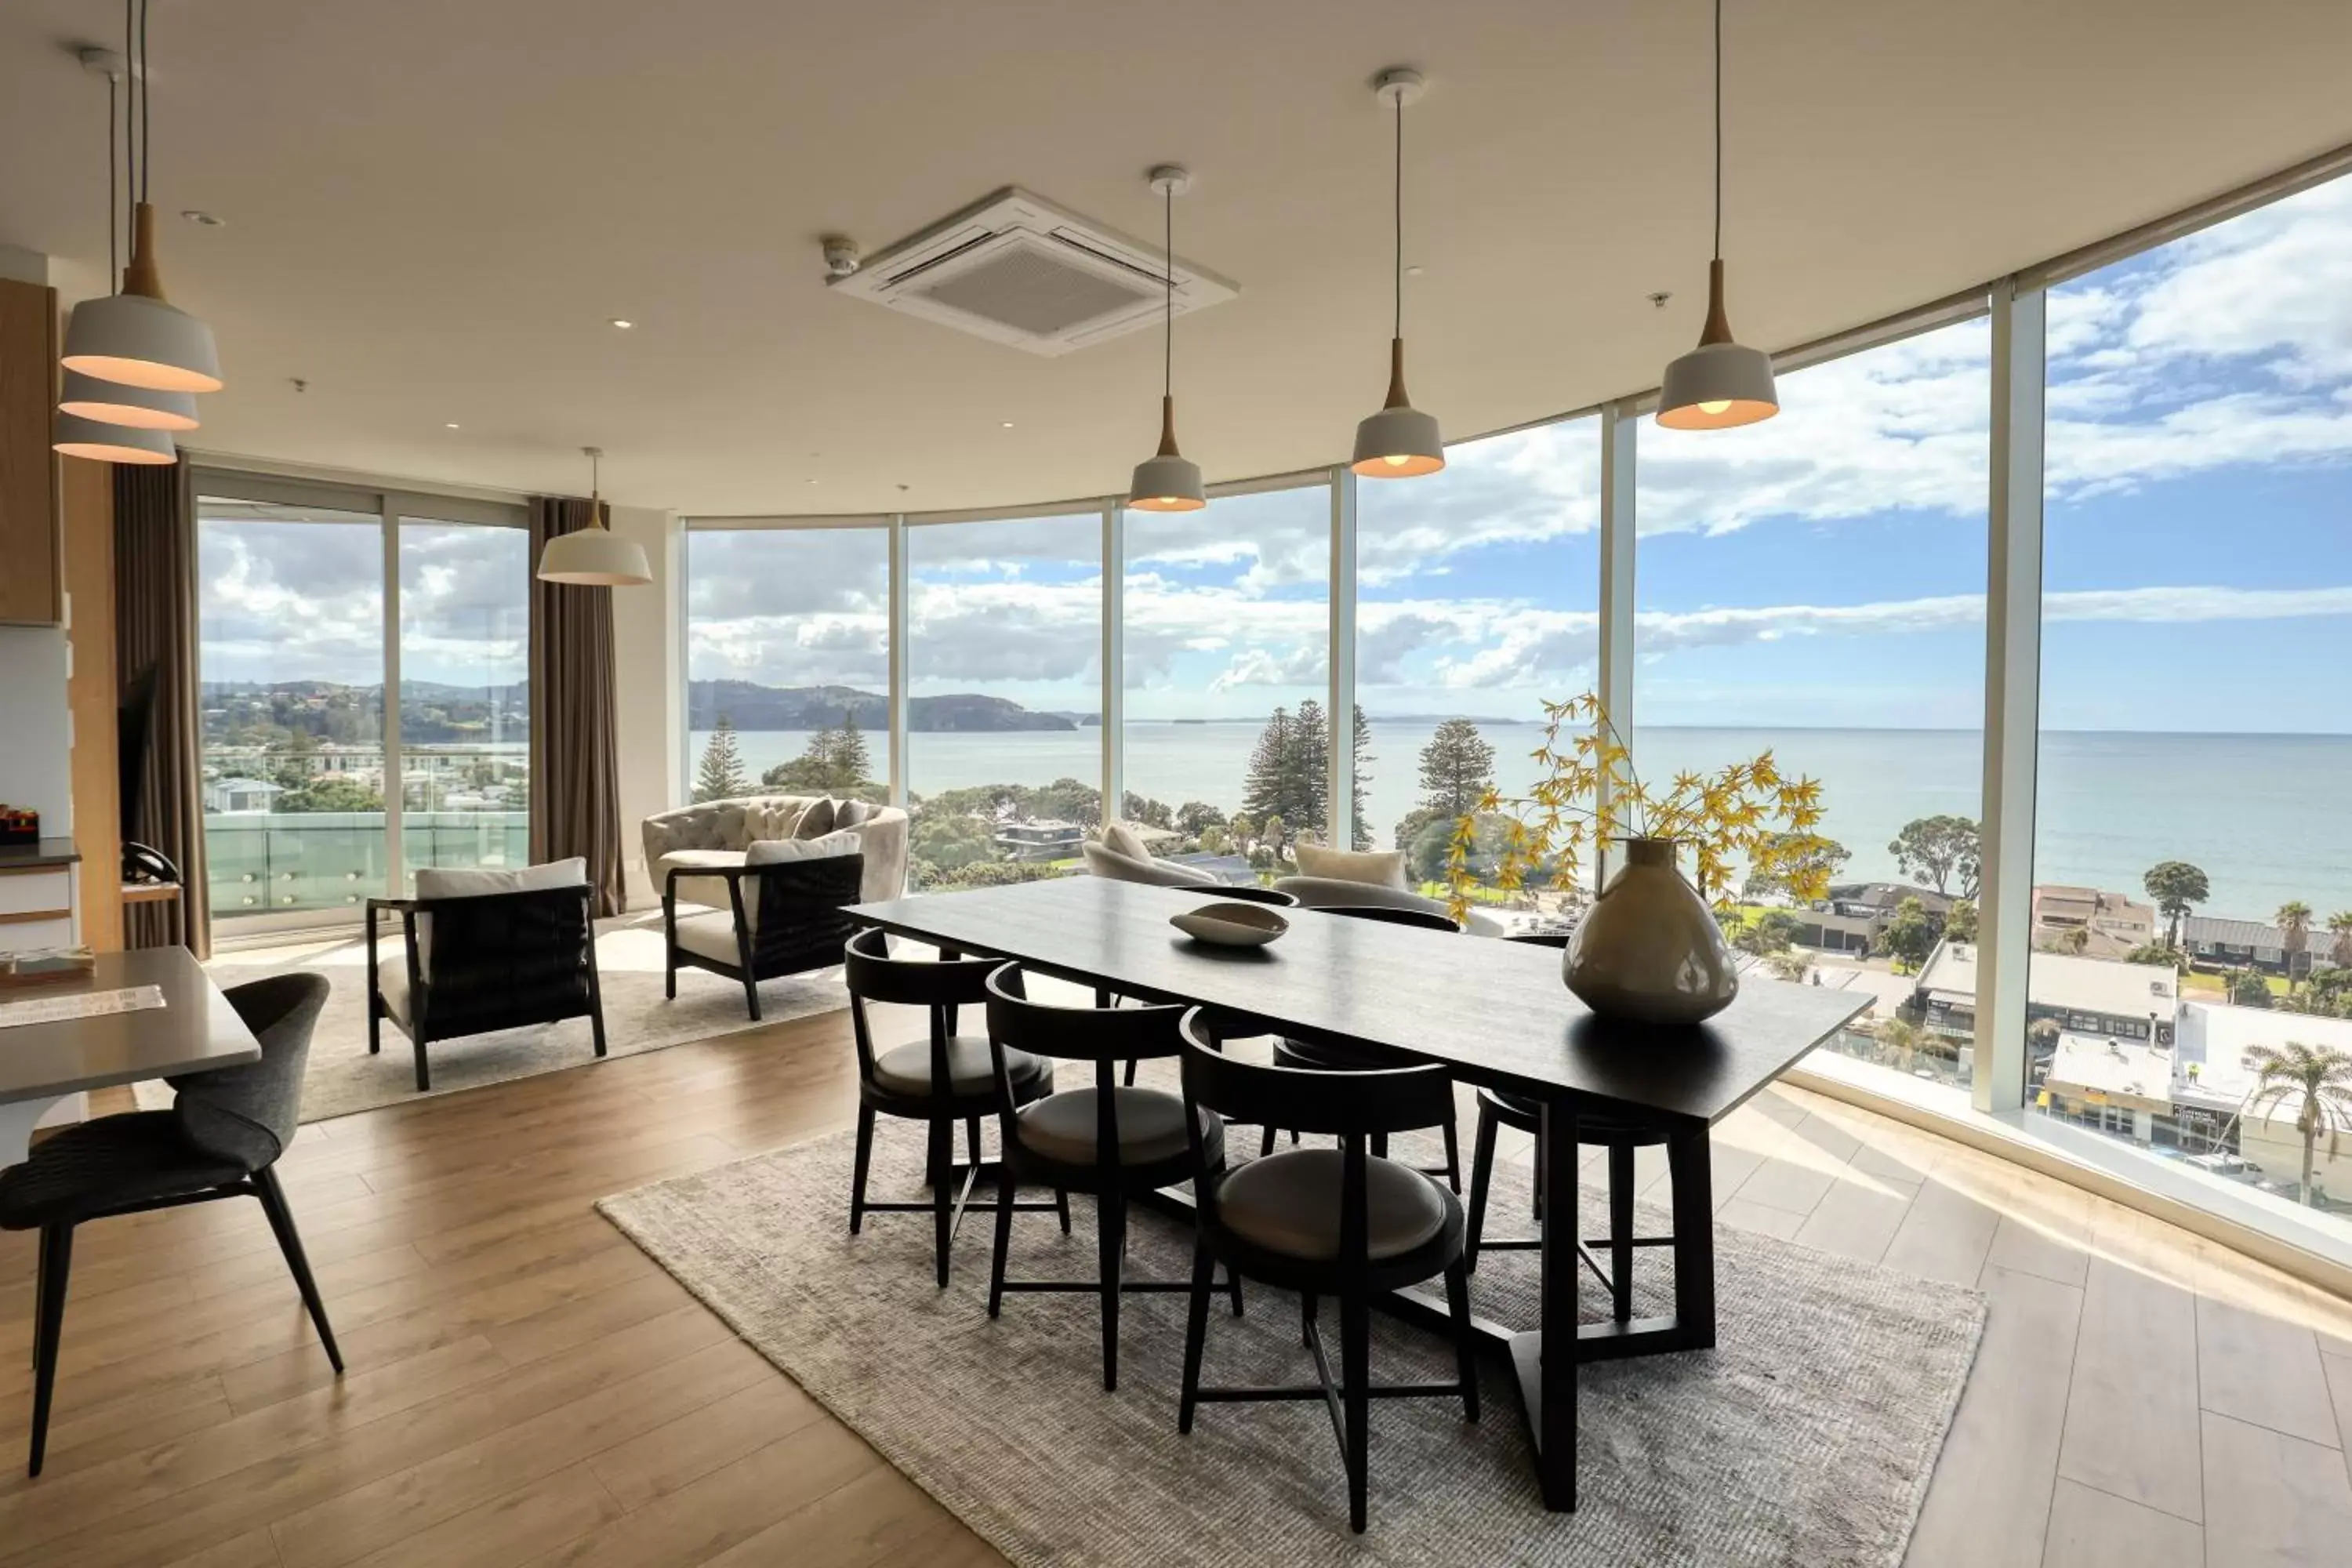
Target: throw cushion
[(850, 813), (774, 851), (1377, 867), (817, 820), (438, 882), (1121, 839)]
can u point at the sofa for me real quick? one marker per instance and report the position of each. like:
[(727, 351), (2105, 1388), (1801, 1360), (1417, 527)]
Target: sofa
[(720, 833), (1343, 879), (1120, 856)]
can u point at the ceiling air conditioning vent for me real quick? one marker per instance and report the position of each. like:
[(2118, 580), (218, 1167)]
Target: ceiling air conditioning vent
[(1017, 270)]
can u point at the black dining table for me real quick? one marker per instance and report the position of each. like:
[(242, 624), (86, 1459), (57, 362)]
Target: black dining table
[(1495, 1013)]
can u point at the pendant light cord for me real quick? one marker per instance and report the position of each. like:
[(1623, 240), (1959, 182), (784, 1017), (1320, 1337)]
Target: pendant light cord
[(1398, 328), (1168, 308), (1719, 130), (113, 191), (146, 107)]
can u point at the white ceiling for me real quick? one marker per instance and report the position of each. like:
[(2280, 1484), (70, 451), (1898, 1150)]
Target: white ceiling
[(434, 206)]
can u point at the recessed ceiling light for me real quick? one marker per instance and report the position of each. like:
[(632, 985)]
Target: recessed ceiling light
[(1412, 271), (204, 219), (451, 426), (623, 323), (1006, 424), (811, 481)]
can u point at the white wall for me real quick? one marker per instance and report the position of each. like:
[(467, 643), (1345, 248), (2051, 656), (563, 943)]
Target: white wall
[(34, 728), (649, 687)]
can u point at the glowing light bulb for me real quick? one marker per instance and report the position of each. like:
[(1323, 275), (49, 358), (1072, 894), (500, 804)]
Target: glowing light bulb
[(1715, 406), (1397, 462)]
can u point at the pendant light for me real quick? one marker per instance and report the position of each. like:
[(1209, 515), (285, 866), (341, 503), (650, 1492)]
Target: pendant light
[(72, 435), (594, 556), (135, 337), (1719, 383), (1399, 442), (1168, 481)]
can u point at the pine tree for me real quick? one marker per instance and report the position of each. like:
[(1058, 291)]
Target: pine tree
[(851, 765), (1304, 809), (1360, 830), (1457, 768), (720, 776), (1263, 789)]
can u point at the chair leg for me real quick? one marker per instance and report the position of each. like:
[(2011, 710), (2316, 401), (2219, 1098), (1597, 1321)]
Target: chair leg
[(1307, 1318), (1465, 1347), (424, 1071), (1062, 1207), (1620, 1232), (56, 1262), (1265, 1144), (1452, 1157), (1535, 1201), (289, 1242), (1130, 1079), (1356, 1382), (1233, 1283), (669, 970), (596, 1024), (1482, 1177), (751, 995), (1196, 1330), (942, 1193), (857, 1173), (375, 1021), (1111, 1248), (971, 1138), (1004, 1192)]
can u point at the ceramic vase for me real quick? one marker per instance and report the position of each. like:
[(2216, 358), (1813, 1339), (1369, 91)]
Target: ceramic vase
[(1649, 950)]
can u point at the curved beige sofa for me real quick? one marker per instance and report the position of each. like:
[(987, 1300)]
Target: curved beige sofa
[(718, 833)]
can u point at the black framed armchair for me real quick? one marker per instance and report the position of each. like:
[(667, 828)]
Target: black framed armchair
[(484, 951), (785, 914)]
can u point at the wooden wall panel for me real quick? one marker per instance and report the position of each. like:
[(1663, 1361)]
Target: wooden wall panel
[(30, 588), (93, 692)]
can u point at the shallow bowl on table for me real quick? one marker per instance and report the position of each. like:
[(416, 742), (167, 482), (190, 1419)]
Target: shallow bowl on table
[(1230, 924)]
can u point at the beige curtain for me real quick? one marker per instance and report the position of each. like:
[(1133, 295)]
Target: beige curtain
[(155, 627), (575, 786)]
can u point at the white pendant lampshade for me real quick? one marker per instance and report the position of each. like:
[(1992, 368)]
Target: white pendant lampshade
[(76, 437), (140, 407), (1720, 384), (1399, 442), (1168, 481), (594, 556)]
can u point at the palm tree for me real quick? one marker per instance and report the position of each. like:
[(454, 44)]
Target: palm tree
[(2294, 922), (2318, 1078), (1897, 1038), (2340, 927)]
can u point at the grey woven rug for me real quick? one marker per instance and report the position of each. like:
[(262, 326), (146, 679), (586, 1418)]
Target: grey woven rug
[(1807, 1437)]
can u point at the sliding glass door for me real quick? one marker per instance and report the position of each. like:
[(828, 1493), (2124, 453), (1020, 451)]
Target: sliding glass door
[(312, 603)]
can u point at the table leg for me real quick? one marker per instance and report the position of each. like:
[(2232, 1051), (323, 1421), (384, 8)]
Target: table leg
[(1555, 1414), (1689, 1171), (16, 1121)]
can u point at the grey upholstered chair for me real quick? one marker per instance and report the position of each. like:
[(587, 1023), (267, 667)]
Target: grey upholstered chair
[(221, 1139)]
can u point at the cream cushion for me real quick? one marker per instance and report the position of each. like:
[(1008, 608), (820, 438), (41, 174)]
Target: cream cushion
[(1375, 868), (817, 820), (392, 984), (710, 934), (777, 851), (1121, 839), (710, 890), (438, 882)]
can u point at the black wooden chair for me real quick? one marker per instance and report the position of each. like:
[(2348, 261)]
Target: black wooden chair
[(783, 917), (1106, 1140), (480, 962), (940, 1080), (221, 1139), (1310, 1056), (1339, 1222), (1619, 1136), (1247, 893)]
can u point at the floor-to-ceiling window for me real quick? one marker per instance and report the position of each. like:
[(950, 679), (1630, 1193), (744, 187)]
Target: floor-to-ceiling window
[(1226, 639), (2191, 983), (1812, 587), (1477, 591), (1005, 697), (315, 797), (788, 661)]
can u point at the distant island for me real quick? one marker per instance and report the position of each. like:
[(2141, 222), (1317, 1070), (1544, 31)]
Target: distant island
[(750, 706)]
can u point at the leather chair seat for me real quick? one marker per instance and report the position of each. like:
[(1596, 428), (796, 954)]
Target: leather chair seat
[(101, 1165), (1289, 1203), (1290, 1053), (1151, 1127), (971, 1070)]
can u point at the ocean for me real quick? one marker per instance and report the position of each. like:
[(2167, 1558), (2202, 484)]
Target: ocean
[(2256, 812)]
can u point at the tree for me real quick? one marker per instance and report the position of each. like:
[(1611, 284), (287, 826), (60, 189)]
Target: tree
[(1826, 858), (1789, 966), (2177, 888), (2159, 952), (1267, 780), (1910, 936), (1899, 1039), (1457, 769), (2339, 932), (1305, 770), (1960, 922), (850, 762), (1195, 818), (1359, 827), (2248, 988), (2315, 1079), (2077, 941), (1941, 849), (1774, 930), (2294, 922), (834, 761), (720, 776)]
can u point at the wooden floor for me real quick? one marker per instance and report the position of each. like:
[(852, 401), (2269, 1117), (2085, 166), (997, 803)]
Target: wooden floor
[(526, 1387)]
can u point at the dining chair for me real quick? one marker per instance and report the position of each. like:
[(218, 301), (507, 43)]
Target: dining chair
[(1620, 1136), (1341, 1222), (1247, 893), (221, 1139), (1111, 1140), (940, 1080), (1312, 1057)]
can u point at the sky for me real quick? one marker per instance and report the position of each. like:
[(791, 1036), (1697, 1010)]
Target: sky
[(1825, 568)]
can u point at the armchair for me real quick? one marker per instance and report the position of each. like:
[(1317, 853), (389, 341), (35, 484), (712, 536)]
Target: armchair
[(786, 913), (484, 951)]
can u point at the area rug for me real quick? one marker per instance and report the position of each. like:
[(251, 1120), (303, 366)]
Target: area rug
[(1808, 1436), (342, 1079)]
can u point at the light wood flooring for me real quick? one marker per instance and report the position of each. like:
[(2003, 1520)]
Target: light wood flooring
[(525, 1388)]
